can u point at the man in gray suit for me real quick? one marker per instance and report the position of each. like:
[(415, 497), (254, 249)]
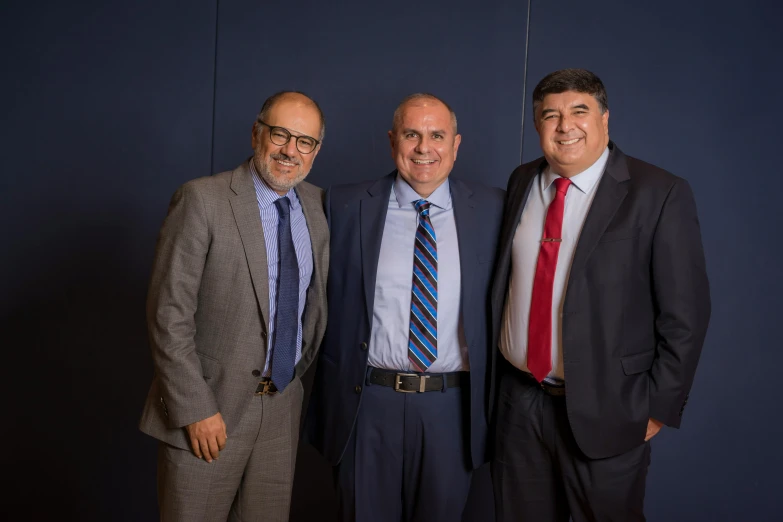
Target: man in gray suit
[(236, 312)]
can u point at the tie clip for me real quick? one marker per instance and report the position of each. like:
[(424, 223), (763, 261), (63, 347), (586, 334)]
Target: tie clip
[(552, 240)]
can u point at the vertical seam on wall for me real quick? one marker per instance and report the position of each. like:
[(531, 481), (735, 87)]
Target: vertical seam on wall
[(524, 83), (214, 93)]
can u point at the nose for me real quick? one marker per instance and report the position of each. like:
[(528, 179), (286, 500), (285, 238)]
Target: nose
[(289, 149), (565, 123), (423, 146)]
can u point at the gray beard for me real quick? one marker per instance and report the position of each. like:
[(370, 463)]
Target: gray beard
[(274, 183)]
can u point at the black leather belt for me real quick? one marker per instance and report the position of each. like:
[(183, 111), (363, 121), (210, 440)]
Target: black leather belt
[(266, 387), (549, 389), (414, 382)]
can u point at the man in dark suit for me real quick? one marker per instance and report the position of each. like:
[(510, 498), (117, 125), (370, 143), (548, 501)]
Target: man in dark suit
[(236, 311), (600, 308), (401, 392)]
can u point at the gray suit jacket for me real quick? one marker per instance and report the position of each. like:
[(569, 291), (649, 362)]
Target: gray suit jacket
[(208, 303)]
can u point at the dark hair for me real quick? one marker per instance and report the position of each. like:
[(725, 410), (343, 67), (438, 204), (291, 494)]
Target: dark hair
[(272, 100), (578, 80), (421, 96)]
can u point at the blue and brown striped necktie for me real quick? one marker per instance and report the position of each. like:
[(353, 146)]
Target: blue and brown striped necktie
[(423, 340)]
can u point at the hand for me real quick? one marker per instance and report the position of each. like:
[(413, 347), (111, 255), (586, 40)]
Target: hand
[(208, 437), (653, 427)]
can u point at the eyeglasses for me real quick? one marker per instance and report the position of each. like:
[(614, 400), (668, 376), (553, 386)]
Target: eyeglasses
[(281, 136)]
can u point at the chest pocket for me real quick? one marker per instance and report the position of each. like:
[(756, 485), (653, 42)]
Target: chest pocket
[(620, 234)]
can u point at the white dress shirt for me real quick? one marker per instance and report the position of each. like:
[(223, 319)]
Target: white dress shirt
[(393, 284), (524, 258)]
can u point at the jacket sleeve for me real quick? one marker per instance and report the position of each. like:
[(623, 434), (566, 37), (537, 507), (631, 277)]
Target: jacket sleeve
[(172, 301), (682, 303)]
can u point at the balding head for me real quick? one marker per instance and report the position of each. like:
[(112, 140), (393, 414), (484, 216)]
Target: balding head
[(421, 99), (297, 98)]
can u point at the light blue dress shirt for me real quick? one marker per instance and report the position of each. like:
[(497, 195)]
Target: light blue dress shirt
[(392, 309), (304, 255)]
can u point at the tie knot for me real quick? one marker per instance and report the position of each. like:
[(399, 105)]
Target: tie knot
[(562, 184), (283, 206), (422, 207)]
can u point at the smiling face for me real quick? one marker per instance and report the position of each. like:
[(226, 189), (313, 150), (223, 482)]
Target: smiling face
[(424, 144), (282, 167), (573, 131)]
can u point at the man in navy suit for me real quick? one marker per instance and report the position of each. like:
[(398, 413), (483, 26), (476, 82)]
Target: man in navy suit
[(399, 405)]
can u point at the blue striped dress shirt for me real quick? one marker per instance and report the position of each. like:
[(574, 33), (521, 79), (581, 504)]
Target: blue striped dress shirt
[(304, 255)]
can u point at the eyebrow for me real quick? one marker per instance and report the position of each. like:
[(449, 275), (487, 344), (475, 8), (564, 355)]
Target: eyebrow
[(436, 131), (290, 131), (580, 106)]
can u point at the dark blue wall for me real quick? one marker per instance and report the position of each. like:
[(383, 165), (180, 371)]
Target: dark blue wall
[(109, 106), (106, 109)]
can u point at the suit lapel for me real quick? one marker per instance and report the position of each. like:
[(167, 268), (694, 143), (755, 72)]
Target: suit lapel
[(468, 224), (515, 201), (318, 230), (244, 205), (611, 192), (371, 222)]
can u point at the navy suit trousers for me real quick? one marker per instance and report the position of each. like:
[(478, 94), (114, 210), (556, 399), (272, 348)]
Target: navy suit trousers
[(407, 459)]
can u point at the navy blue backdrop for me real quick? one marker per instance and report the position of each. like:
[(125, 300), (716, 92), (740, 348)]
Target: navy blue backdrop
[(109, 106)]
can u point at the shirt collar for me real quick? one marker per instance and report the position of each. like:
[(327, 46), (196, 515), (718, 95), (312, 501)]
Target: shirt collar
[(405, 195), (265, 195), (585, 180)]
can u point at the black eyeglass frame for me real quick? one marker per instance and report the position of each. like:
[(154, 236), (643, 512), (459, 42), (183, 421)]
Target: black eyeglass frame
[(272, 129)]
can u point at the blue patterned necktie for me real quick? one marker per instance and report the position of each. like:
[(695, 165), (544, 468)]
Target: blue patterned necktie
[(423, 339), (287, 310)]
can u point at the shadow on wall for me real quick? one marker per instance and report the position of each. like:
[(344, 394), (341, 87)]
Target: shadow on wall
[(73, 324)]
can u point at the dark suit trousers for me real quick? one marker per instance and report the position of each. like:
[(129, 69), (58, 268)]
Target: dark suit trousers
[(539, 473), (407, 459)]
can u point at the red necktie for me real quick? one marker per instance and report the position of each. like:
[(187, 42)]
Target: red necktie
[(539, 330)]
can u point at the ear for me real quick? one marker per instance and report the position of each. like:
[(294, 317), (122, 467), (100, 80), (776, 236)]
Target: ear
[(391, 143), (605, 121), (254, 136), (457, 141)]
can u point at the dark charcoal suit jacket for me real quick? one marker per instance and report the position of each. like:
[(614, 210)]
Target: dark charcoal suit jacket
[(637, 302)]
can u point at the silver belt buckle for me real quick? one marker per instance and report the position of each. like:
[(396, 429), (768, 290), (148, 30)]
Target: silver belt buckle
[(398, 382)]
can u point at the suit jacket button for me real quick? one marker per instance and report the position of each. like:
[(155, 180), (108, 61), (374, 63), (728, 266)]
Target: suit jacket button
[(363, 346), (358, 389), (256, 373)]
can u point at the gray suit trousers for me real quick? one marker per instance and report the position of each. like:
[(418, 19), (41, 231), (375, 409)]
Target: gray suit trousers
[(253, 477)]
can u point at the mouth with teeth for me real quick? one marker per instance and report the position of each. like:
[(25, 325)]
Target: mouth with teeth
[(568, 142), (285, 161), (422, 162)]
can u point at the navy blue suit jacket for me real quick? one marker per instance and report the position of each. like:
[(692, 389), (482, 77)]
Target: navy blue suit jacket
[(356, 215)]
